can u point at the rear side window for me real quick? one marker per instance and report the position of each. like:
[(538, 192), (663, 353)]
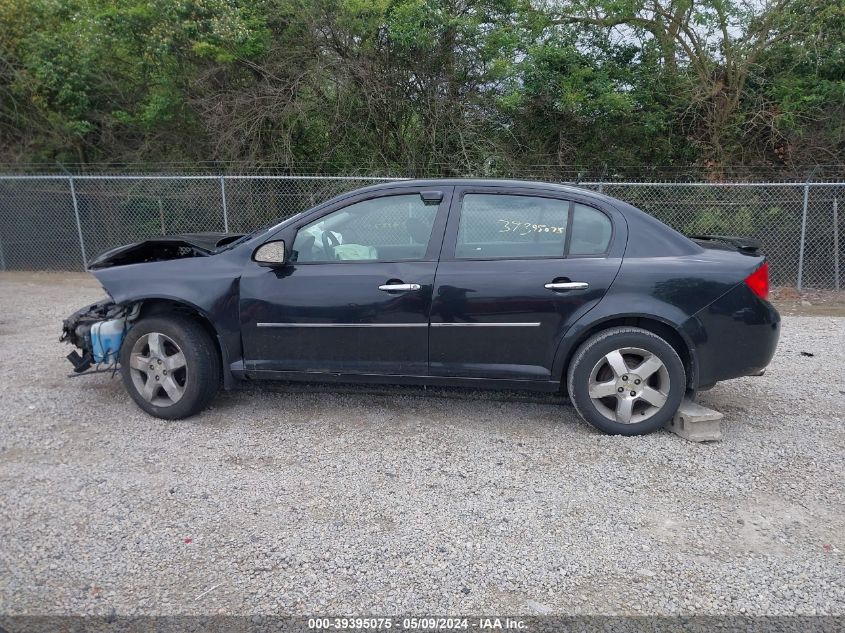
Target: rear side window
[(591, 231), (511, 226)]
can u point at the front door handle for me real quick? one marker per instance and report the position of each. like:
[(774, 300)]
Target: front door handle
[(567, 285), (399, 287)]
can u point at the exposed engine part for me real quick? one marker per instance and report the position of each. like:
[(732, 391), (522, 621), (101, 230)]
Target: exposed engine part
[(98, 331)]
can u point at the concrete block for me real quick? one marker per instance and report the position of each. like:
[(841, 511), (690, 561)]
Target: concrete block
[(696, 423)]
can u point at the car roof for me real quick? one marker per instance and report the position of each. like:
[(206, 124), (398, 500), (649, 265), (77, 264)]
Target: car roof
[(656, 237), (651, 236), (487, 182)]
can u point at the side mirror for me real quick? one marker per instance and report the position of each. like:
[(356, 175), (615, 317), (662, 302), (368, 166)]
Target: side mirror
[(270, 253)]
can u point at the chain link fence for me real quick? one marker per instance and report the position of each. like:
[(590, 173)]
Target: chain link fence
[(59, 222)]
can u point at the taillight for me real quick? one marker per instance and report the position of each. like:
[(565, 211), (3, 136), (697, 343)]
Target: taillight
[(758, 281)]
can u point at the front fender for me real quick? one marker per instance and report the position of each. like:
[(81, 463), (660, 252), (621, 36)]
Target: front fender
[(208, 286)]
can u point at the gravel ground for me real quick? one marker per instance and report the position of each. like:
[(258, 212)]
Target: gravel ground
[(300, 499)]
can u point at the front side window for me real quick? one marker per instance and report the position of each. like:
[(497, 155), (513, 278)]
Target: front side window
[(511, 226), (389, 228)]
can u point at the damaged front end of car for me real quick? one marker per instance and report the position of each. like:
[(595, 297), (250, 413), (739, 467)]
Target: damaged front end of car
[(165, 248), (98, 331)]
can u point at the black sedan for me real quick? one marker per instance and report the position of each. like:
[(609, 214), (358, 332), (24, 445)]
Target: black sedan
[(476, 283)]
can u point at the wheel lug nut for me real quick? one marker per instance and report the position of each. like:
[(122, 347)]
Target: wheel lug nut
[(624, 377), (621, 389), (156, 377), (164, 372), (159, 361), (152, 366), (633, 393), (636, 382)]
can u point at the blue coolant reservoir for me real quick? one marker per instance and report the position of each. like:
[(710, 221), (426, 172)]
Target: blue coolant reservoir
[(106, 337)]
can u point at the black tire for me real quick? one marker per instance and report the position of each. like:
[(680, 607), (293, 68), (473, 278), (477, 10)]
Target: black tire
[(592, 352), (202, 366)]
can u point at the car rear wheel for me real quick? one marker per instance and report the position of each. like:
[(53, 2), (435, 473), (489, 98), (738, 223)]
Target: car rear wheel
[(170, 366), (626, 381)]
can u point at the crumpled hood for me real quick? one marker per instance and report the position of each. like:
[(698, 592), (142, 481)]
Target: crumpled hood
[(163, 248)]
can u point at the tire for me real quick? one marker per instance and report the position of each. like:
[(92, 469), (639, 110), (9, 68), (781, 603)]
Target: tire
[(595, 377), (170, 366)]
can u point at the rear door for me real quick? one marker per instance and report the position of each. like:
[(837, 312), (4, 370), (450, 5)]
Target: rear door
[(518, 267)]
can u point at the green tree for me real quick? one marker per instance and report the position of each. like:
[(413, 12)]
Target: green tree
[(496, 87)]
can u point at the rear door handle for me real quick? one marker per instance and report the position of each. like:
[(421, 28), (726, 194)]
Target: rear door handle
[(567, 285), (399, 287)]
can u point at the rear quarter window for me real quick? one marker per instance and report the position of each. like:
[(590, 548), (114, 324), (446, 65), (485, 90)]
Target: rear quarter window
[(591, 231)]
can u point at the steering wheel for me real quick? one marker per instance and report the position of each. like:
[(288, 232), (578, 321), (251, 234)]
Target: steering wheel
[(329, 242)]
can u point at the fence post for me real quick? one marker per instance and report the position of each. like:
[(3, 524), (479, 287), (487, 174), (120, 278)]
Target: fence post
[(836, 242), (2, 256), (225, 208), (78, 223), (803, 236)]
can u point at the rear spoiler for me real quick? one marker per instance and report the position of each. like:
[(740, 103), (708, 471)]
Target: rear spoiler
[(745, 244)]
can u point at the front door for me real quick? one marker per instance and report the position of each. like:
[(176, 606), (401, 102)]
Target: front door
[(517, 269), (356, 294)]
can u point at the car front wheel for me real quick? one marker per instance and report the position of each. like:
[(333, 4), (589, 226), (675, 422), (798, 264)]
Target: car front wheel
[(626, 381), (170, 366)]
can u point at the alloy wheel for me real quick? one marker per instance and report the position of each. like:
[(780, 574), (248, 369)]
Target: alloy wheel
[(158, 369), (629, 385)]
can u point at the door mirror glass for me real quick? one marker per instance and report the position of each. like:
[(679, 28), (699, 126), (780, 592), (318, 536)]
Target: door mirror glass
[(270, 253)]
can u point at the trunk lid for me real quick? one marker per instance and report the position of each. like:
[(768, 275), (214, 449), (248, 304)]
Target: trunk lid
[(744, 252)]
